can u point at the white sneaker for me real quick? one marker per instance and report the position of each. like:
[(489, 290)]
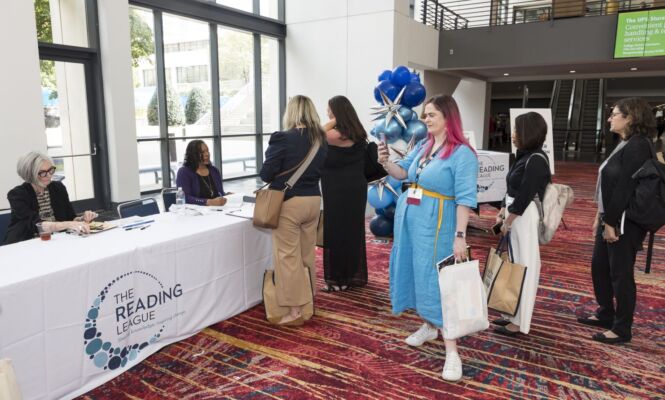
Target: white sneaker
[(452, 369), (424, 334)]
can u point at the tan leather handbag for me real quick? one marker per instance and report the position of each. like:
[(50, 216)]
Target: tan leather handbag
[(269, 201)]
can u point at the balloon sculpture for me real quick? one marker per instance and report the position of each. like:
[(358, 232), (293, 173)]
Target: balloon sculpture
[(398, 92)]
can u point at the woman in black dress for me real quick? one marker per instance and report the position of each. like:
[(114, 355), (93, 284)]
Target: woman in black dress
[(344, 187)]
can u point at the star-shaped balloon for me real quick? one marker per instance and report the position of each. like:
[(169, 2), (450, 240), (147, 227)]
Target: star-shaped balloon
[(382, 184), (389, 109)]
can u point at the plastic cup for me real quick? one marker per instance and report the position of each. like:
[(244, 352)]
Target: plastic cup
[(44, 234)]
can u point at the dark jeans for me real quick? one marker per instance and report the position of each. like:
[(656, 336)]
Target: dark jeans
[(612, 271)]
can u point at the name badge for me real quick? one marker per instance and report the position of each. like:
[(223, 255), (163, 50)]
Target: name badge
[(413, 196)]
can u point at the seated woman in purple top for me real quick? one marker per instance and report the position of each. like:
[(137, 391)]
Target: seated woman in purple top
[(200, 180)]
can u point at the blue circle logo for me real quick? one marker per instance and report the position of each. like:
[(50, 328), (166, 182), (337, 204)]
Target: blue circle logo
[(104, 354)]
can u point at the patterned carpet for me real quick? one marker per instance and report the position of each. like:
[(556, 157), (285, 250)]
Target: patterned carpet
[(354, 347)]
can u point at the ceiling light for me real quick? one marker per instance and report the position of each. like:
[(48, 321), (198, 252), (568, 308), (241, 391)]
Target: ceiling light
[(572, 71), (633, 68), (505, 74)]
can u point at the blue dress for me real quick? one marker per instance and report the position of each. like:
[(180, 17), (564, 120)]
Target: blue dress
[(414, 280)]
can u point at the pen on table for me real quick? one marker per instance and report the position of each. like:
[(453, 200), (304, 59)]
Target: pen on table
[(137, 224), (146, 227)]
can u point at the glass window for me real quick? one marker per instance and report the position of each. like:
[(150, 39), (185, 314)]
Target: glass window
[(64, 100), (236, 82), (150, 166), (238, 156), (61, 22), (270, 84), (242, 5), (188, 96), (268, 8)]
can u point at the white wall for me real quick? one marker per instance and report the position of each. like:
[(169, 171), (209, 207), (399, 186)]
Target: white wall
[(472, 97), (20, 104), (341, 47), (119, 99)]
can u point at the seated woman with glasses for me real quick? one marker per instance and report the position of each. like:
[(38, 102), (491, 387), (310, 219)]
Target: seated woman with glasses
[(198, 178), (40, 199)]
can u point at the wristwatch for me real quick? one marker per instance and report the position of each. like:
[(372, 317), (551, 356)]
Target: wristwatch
[(460, 234)]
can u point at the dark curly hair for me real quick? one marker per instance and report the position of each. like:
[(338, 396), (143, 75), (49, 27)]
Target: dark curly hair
[(642, 121), (193, 154)]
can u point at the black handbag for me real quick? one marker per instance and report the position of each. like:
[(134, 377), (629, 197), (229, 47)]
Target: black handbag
[(647, 205)]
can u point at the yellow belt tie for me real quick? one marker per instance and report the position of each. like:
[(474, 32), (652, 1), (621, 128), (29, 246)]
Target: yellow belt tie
[(442, 199)]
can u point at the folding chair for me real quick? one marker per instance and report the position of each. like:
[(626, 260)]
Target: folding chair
[(168, 197), (141, 208)]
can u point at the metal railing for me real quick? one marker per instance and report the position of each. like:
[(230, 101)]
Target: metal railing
[(462, 14)]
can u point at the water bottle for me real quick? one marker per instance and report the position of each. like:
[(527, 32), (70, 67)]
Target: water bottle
[(180, 197)]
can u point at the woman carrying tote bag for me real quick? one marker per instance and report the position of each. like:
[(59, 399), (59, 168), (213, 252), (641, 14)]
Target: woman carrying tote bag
[(293, 241), (527, 178)]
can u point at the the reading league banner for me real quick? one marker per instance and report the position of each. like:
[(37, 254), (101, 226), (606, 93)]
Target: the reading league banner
[(492, 170), (548, 146)]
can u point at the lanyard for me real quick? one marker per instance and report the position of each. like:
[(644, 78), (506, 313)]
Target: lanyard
[(421, 166)]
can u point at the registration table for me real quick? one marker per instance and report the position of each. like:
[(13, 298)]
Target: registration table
[(76, 312)]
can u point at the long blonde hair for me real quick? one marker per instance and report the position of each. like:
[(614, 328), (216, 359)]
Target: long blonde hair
[(300, 112)]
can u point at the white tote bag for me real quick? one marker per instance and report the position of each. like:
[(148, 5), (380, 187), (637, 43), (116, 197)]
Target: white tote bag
[(8, 387), (463, 299)]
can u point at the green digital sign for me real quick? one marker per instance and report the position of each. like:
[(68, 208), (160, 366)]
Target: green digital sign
[(640, 34)]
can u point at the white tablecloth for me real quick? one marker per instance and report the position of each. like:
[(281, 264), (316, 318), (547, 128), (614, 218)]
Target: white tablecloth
[(77, 311)]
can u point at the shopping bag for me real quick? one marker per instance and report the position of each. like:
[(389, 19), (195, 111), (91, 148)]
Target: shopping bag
[(503, 279), (275, 312), (319, 231), (9, 389), (463, 299)]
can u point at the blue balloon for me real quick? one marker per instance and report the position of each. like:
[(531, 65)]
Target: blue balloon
[(414, 94), (415, 77), (388, 212), (374, 132), (415, 128), (393, 131), (381, 226), (400, 76), (373, 198), (388, 89), (385, 75), (405, 113), (415, 116)]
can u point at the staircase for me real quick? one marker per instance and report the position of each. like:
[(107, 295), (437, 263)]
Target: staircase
[(588, 138)]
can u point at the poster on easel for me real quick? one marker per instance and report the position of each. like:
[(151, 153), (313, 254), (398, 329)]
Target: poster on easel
[(548, 146)]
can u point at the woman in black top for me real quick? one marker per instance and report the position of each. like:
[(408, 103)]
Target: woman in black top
[(617, 240), (39, 199), (294, 239), (344, 188), (527, 178)]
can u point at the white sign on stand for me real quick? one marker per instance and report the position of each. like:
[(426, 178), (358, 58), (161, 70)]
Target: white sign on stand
[(548, 146)]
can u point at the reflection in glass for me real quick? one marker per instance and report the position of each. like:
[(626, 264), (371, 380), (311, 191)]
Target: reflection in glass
[(65, 106), (236, 81), (61, 22)]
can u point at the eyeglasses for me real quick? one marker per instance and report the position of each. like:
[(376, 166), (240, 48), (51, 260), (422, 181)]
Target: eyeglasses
[(44, 174), (614, 114)]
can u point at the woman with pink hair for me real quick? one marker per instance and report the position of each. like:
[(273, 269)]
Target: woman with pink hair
[(431, 219)]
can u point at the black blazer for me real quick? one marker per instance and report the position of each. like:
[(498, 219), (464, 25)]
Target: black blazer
[(616, 183), (286, 150), (25, 210)]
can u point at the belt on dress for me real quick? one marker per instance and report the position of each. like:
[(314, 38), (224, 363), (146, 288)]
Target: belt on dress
[(442, 198)]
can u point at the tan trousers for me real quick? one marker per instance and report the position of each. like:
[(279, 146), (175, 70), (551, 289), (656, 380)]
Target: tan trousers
[(293, 244)]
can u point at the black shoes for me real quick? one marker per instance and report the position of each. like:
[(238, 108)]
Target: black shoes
[(594, 322), (500, 321), (505, 331), (600, 337)]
